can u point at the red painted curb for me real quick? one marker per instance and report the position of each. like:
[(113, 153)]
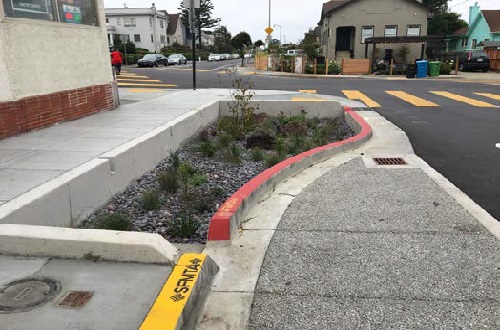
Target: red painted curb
[(220, 224)]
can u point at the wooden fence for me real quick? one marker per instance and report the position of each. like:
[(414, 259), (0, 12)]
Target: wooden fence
[(494, 55), (352, 66)]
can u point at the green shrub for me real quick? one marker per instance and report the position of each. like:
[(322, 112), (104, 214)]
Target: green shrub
[(281, 147), (184, 226), (257, 154), (272, 160), (217, 191), (150, 200), (233, 153), (198, 179), (206, 148), (169, 180), (174, 160), (445, 68), (115, 221)]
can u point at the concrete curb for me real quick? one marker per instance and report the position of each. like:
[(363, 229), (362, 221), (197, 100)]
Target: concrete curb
[(226, 222), (90, 244), (179, 303)]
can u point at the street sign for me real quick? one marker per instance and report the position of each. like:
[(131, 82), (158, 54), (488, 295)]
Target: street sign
[(187, 3), (269, 30)]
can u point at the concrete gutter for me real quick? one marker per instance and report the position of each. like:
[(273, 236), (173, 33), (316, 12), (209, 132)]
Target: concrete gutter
[(89, 244), (227, 221)]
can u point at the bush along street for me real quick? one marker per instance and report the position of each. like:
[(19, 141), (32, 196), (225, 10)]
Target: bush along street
[(179, 197)]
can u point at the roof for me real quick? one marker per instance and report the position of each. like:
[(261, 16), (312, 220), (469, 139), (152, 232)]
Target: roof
[(132, 11), (461, 32), (334, 5), (489, 44), (492, 17), (173, 19)]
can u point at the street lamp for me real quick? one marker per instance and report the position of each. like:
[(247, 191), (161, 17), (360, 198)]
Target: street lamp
[(277, 25)]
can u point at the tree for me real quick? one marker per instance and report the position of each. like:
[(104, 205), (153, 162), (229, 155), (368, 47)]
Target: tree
[(436, 6), (445, 24), (259, 43), (309, 44), (222, 40), (241, 39), (203, 17)]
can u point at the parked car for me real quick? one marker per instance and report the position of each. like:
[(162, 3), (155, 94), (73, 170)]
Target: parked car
[(214, 57), (227, 56), (177, 59), (473, 59), (235, 56), (152, 60)]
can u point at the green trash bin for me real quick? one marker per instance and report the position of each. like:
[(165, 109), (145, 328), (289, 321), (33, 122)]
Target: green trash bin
[(434, 68)]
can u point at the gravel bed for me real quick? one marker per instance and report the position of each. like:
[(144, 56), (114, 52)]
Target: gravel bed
[(228, 177)]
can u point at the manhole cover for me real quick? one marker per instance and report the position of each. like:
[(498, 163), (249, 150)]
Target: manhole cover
[(390, 161), (25, 294), (76, 299)]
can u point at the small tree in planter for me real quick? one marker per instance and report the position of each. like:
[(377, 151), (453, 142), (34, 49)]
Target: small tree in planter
[(403, 52)]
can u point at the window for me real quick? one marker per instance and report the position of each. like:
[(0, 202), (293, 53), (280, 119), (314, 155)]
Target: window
[(124, 37), (137, 38), (161, 23), (151, 21), (474, 43), (107, 20), (391, 31), (413, 31), (465, 41), (366, 32), (162, 39), (118, 21), (129, 22), (152, 38), (74, 12)]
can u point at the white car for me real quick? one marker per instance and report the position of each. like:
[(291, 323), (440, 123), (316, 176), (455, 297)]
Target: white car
[(177, 59), (235, 56), (214, 57)]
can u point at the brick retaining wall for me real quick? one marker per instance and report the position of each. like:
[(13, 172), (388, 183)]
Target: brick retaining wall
[(40, 111)]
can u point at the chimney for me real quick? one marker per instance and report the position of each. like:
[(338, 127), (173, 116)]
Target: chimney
[(473, 11), (125, 5)]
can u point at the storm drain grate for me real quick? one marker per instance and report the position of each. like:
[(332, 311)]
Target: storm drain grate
[(390, 161), (76, 299)]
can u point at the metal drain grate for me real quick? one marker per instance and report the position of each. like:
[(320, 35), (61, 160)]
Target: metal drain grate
[(390, 161), (76, 299)]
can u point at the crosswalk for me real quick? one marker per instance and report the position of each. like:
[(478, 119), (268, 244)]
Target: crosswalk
[(482, 100), (128, 79)]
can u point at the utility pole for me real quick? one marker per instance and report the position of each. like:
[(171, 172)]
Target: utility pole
[(193, 37)]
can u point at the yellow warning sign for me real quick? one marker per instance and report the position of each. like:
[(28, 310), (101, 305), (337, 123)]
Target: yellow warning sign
[(269, 30)]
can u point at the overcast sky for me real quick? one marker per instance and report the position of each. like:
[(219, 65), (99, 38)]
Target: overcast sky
[(294, 16)]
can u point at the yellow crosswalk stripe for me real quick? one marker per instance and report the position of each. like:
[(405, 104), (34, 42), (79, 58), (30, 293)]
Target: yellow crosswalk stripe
[(415, 100), (357, 95), (464, 99), (131, 76), (308, 91), (491, 96)]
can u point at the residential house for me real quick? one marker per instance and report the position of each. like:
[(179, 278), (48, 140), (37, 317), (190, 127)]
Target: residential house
[(484, 26), (176, 31), (346, 24), (145, 27)]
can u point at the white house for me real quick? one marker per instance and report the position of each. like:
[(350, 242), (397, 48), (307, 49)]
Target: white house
[(145, 27)]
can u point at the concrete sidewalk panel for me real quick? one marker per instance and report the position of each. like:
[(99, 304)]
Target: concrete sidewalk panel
[(227, 310), (93, 244), (382, 266), (291, 312), (14, 268)]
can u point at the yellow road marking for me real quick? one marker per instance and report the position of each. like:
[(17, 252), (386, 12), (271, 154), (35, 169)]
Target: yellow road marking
[(138, 80), (491, 96), (307, 99), (308, 91), (132, 76), (174, 295), (144, 90), (223, 72), (357, 95), (464, 99), (148, 85), (249, 72), (416, 101)]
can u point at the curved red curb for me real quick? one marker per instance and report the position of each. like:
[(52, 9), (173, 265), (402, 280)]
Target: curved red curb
[(220, 224)]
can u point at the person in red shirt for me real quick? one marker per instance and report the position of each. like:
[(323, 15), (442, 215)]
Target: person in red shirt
[(116, 60)]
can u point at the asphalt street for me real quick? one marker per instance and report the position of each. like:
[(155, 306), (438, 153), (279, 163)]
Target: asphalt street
[(456, 136)]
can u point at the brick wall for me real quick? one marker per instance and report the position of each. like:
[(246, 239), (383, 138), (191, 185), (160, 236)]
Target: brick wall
[(40, 111)]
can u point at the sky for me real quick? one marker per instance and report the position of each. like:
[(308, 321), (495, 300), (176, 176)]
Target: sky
[(291, 17)]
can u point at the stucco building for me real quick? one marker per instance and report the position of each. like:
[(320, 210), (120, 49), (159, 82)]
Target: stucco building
[(145, 27), (345, 24), (54, 63)]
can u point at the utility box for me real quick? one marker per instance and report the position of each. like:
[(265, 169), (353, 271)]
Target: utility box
[(422, 67)]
